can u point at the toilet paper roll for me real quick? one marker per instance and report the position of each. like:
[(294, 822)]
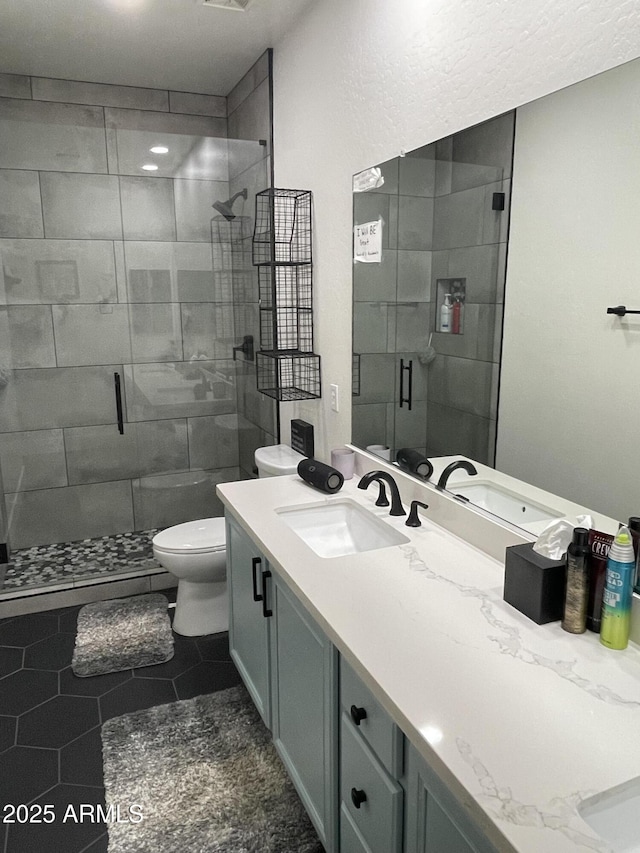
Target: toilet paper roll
[(320, 476)]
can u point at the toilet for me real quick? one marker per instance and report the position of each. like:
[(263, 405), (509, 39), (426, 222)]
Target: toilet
[(195, 553), (276, 460)]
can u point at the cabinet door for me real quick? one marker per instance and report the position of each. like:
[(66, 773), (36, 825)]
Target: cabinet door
[(434, 820), (249, 629), (304, 710)]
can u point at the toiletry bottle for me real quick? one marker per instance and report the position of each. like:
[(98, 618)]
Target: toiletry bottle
[(618, 592), (574, 619), (634, 530), (445, 314), (455, 316), (599, 544)]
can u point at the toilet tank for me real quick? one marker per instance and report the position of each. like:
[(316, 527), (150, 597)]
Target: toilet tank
[(277, 460)]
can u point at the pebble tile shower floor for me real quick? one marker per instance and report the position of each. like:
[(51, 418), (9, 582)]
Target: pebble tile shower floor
[(65, 562), (50, 745)]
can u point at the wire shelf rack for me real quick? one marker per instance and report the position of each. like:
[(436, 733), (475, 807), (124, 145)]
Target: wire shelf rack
[(288, 376), (282, 230)]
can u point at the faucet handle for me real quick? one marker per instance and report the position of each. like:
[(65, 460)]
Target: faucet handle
[(383, 500), (413, 520)]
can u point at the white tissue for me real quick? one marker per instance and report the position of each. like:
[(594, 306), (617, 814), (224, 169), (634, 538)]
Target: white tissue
[(555, 538)]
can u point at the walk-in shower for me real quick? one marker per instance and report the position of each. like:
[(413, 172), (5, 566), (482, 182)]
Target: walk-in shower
[(122, 296)]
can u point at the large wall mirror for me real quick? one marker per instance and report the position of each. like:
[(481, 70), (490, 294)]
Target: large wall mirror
[(526, 229)]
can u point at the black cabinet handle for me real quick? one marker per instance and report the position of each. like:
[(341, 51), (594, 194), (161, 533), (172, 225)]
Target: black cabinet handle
[(255, 562), (358, 797), (118, 390), (409, 368), (358, 714), (266, 612)]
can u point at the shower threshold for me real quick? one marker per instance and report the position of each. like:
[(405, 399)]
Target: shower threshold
[(66, 565)]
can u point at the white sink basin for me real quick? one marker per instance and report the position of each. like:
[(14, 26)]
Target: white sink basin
[(615, 816), (504, 503), (340, 526)]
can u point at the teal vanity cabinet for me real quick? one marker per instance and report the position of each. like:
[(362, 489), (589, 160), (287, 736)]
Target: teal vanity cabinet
[(290, 669), (362, 783), (391, 801), (304, 709), (434, 820), (371, 765), (249, 628)]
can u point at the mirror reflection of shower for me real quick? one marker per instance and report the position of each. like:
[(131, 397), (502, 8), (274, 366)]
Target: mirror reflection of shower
[(225, 207)]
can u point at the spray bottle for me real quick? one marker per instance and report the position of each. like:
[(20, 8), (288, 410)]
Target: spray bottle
[(618, 592)]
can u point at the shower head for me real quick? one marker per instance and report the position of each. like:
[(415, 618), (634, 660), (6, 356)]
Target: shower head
[(224, 207)]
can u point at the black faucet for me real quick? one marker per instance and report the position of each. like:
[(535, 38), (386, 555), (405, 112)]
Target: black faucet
[(469, 467), (396, 503)]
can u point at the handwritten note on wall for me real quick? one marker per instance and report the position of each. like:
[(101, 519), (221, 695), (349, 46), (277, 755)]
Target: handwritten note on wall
[(367, 242)]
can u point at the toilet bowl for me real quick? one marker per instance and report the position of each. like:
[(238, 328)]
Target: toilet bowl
[(194, 552)]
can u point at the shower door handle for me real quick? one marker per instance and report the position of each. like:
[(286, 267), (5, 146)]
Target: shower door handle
[(409, 368), (118, 390)]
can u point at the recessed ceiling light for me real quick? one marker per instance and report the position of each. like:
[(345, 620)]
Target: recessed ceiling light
[(159, 149), (150, 167), (236, 5)]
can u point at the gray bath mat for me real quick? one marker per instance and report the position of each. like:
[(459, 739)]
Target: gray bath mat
[(122, 634), (206, 778)]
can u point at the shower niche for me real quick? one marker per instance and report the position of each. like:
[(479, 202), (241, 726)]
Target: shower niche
[(450, 296)]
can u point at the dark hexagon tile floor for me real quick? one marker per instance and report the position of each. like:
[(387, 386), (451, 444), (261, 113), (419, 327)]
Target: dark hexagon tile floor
[(50, 744)]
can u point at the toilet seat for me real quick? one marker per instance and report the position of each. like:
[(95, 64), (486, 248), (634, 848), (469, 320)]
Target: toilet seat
[(206, 535)]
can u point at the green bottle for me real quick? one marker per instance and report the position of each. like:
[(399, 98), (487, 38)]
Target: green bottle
[(618, 592)]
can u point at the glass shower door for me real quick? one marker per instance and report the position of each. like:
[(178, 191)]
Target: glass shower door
[(116, 283)]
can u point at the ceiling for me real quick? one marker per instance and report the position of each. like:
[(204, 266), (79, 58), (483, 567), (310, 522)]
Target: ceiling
[(167, 44)]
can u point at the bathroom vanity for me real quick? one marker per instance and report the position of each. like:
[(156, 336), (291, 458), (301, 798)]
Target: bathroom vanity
[(412, 707)]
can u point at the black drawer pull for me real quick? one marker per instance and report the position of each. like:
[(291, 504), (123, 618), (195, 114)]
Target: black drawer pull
[(266, 611), (358, 797), (358, 714), (255, 562)]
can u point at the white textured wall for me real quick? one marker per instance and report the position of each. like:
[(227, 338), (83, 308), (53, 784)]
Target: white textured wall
[(356, 81), (569, 386)]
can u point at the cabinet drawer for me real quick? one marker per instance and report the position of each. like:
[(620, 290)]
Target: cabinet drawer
[(376, 727), (350, 839), (379, 814)]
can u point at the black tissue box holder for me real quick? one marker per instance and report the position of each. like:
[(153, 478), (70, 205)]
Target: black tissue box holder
[(533, 584)]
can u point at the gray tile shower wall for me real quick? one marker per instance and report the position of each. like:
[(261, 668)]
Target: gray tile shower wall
[(438, 223), (469, 242), (109, 270)]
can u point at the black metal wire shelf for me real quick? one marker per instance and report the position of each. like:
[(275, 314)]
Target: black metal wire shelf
[(287, 368), (282, 230), (288, 376)]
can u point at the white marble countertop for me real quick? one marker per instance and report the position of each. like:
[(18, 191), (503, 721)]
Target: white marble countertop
[(521, 721)]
